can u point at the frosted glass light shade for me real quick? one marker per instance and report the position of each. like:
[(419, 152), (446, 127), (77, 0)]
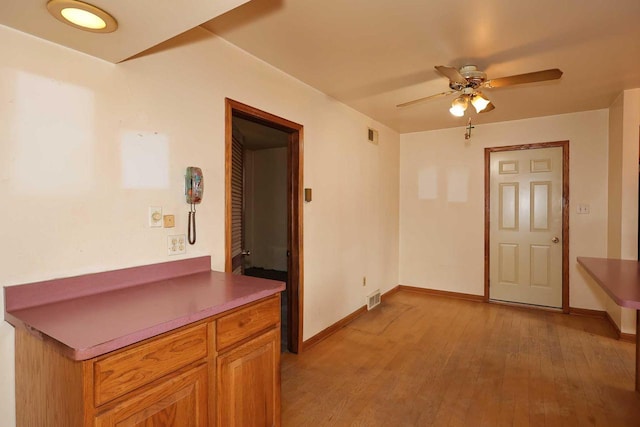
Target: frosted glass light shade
[(457, 111), (459, 106), (479, 102), (82, 16)]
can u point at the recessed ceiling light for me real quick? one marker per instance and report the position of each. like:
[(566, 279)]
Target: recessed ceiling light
[(82, 15)]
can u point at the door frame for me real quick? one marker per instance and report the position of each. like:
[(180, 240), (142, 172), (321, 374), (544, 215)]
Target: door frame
[(565, 211), (294, 207)]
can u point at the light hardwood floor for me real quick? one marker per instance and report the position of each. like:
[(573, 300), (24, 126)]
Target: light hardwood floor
[(420, 360)]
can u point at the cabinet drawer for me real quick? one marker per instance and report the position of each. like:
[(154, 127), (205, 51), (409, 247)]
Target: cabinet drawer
[(122, 372), (179, 400), (244, 323)]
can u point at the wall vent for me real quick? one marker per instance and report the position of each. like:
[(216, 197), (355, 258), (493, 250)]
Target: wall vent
[(372, 136), (373, 300)]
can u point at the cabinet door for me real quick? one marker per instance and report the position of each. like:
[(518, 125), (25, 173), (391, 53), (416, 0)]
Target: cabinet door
[(178, 401), (249, 383)]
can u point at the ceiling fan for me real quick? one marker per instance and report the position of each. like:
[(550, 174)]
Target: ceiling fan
[(468, 80)]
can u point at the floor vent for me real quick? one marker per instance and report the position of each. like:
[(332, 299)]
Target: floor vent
[(373, 300)]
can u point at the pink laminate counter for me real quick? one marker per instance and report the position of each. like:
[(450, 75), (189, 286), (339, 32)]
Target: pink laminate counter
[(620, 279), (97, 313)]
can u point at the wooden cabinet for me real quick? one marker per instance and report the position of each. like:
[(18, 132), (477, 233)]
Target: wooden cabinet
[(176, 396), (178, 401), (222, 371), (249, 383), (122, 372), (248, 366)]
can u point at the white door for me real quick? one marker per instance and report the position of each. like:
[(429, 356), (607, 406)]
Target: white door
[(525, 261)]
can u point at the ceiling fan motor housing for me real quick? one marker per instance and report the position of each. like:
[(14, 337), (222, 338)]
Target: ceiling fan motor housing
[(472, 75)]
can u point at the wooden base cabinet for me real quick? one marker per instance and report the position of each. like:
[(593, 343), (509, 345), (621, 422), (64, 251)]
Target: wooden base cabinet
[(249, 383), (222, 371), (180, 401)]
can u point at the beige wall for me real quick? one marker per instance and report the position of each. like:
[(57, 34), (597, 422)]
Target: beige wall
[(442, 200), (615, 178), (630, 156), (86, 146), (624, 140)]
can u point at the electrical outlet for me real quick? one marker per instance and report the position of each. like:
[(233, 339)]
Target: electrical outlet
[(177, 244), (155, 216)]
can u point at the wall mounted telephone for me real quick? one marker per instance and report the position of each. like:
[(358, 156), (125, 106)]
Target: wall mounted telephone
[(193, 190)]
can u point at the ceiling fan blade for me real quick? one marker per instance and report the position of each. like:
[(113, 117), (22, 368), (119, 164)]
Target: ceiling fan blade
[(426, 98), (488, 108), (536, 76), (451, 73)]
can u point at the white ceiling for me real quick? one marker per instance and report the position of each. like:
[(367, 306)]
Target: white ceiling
[(374, 54), (141, 23)]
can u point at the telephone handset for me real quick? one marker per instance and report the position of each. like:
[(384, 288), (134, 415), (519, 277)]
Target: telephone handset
[(193, 190)]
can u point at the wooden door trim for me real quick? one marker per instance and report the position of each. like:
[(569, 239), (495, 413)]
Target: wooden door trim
[(565, 211), (294, 209)]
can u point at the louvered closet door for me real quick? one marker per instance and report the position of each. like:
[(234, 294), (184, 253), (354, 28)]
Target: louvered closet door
[(237, 205), (526, 226)]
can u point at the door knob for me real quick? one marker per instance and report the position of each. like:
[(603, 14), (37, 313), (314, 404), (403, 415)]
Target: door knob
[(555, 240), (245, 253)]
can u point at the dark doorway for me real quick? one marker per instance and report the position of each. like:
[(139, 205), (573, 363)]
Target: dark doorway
[(263, 206)]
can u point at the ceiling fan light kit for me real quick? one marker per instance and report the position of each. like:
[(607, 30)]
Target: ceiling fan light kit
[(479, 102), (468, 79), (459, 106), (461, 103)]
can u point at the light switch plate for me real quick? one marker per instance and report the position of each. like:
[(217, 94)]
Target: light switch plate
[(155, 216)]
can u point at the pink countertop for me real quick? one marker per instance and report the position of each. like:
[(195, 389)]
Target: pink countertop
[(93, 324), (619, 278)]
